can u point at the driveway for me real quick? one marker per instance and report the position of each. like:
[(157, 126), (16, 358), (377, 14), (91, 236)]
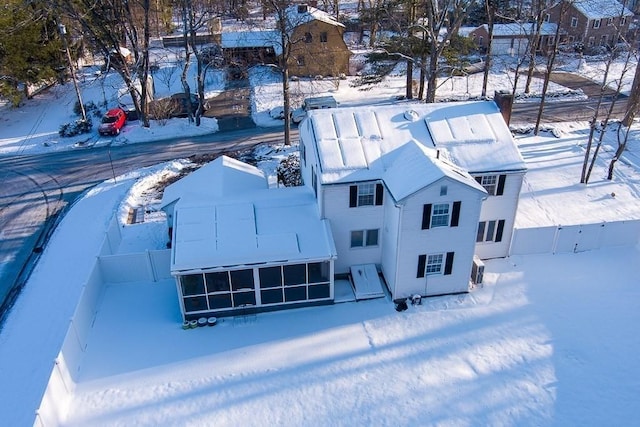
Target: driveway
[(232, 107), (573, 81)]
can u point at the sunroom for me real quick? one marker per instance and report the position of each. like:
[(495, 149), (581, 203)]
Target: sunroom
[(259, 251)]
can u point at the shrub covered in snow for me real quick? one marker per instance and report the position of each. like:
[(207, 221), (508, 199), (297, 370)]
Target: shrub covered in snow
[(289, 171), (76, 128)]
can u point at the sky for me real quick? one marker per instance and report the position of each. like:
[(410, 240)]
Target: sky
[(548, 339)]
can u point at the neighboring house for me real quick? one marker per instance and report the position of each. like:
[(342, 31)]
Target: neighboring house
[(251, 47), (317, 43), (592, 22), (414, 192), (317, 46), (513, 39)]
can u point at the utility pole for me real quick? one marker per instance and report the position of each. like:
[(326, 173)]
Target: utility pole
[(63, 35)]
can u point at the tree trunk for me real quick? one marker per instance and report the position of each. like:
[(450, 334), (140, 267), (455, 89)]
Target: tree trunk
[(634, 100), (144, 104)]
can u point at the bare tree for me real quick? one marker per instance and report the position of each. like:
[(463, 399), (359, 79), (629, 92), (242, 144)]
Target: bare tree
[(491, 11), (442, 19), (196, 16), (108, 26), (551, 57), (619, 43)]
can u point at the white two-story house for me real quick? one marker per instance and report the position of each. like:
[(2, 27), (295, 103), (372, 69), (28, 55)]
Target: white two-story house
[(409, 192), (416, 190)]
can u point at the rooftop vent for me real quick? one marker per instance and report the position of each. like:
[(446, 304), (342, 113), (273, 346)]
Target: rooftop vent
[(411, 115), (302, 8)]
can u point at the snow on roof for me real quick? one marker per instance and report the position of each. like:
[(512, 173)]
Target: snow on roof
[(223, 176), (598, 9), (256, 38), (360, 144), (263, 226), (521, 29), (414, 168), (302, 14)]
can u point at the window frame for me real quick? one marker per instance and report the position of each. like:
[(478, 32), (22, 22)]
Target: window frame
[(324, 37), (440, 217), (597, 23), (366, 191), (366, 194), (574, 22), (434, 264), (490, 231), (364, 240)]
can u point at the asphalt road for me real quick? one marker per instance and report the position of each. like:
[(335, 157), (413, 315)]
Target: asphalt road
[(36, 190)]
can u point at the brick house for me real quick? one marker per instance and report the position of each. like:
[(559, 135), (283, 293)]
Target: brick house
[(591, 22)]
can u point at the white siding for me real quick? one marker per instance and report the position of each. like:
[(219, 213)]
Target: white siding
[(344, 219), (414, 241), (390, 239), (501, 207)]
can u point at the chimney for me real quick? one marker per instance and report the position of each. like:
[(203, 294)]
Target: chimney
[(302, 8), (504, 101)]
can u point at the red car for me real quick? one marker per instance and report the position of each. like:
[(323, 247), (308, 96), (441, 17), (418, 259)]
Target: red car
[(112, 122)]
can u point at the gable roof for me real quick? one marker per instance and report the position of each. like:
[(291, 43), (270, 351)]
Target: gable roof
[(266, 226), (598, 9), (517, 29), (223, 176), (361, 143), (302, 14), (253, 38), (414, 168)]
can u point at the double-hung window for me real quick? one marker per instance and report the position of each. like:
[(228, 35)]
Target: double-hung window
[(494, 184), (596, 23), (365, 194), (441, 215), (432, 264)]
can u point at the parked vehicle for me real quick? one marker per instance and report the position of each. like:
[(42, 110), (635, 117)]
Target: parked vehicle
[(112, 122), (312, 104)]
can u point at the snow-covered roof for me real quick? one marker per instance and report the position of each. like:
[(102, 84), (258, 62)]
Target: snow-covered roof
[(222, 177), (361, 143), (521, 29), (257, 38), (414, 168), (302, 14), (264, 226), (598, 9)]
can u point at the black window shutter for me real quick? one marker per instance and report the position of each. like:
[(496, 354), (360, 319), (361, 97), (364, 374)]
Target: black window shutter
[(500, 230), (455, 214), (353, 196), (426, 216), (448, 264), (379, 191), (422, 263), (479, 179), (500, 189)]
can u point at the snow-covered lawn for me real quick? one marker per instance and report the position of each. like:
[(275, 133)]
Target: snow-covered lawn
[(549, 340)]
